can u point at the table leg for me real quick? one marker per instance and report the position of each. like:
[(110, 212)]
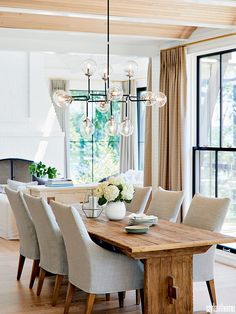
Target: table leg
[(168, 286)]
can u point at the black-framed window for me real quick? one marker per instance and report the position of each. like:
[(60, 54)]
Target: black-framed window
[(214, 157), (141, 113), (96, 158)]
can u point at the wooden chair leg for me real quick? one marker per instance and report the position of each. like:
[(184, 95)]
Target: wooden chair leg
[(42, 275), (69, 296), (89, 304), (108, 296), (57, 286), (121, 296), (20, 266), (34, 272), (142, 299), (212, 292), (137, 297)]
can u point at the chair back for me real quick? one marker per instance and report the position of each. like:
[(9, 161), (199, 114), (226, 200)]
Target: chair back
[(79, 246), (166, 204), (207, 212), (29, 246), (52, 248), (140, 200)]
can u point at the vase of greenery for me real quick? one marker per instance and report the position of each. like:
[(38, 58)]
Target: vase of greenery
[(114, 192), (41, 172)]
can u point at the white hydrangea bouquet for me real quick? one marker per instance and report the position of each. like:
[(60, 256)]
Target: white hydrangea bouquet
[(115, 189)]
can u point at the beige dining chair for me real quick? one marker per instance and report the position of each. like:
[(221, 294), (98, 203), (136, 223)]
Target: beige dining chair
[(166, 204), (140, 200), (209, 214), (92, 268), (53, 258), (29, 247)]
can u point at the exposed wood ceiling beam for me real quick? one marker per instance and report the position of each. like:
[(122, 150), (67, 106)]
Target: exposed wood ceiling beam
[(85, 25), (197, 13)]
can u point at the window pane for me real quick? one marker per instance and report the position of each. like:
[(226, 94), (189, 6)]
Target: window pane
[(141, 153), (106, 160), (81, 161), (209, 98), (229, 99), (99, 157), (207, 173), (227, 188)]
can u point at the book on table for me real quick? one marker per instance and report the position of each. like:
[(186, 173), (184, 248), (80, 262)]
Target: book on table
[(59, 182)]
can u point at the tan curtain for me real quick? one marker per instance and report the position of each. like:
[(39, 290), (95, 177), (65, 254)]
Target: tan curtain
[(147, 175), (62, 114), (173, 83), (129, 145)]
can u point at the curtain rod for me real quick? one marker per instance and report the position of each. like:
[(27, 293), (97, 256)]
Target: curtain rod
[(201, 41)]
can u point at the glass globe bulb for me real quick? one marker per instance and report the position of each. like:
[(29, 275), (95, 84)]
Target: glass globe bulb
[(161, 99), (149, 98), (126, 127), (111, 127), (61, 98), (89, 67), (102, 106), (131, 68), (115, 93), (87, 128), (103, 71)]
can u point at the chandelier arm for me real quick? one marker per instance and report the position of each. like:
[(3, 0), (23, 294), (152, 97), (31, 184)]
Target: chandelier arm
[(86, 109), (89, 87)]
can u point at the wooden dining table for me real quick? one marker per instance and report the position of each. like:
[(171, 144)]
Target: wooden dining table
[(167, 253)]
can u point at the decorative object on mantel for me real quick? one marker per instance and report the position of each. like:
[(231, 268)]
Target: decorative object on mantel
[(41, 172), (110, 94), (115, 191)]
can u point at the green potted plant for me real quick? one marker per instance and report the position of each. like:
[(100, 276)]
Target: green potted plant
[(41, 172)]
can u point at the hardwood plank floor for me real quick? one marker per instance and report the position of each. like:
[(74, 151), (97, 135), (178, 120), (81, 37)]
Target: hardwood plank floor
[(16, 298)]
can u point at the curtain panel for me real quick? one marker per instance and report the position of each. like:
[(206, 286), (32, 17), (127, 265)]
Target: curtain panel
[(147, 173), (173, 83), (62, 114), (129, 145)]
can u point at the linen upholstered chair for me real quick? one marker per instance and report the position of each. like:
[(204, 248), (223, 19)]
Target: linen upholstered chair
[(92, 268), (29, 247), (53, 257), (209, 214), (140, 200), (165, 204)]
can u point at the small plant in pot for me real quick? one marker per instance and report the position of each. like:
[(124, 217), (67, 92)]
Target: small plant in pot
[(114, 192), (41, 172)]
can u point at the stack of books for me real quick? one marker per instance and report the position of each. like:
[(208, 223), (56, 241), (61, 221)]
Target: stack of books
[(59, 183)]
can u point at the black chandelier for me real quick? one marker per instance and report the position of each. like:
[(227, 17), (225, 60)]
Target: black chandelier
[(110, 94)]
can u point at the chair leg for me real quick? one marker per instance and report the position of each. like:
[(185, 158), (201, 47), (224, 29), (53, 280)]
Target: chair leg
[(89, 304), (42, 275), (137, 297), (108, 296), (57, 286), (20, 266), (142, 299), (212, 292), (121, 296), (34, 272), (69, 296)]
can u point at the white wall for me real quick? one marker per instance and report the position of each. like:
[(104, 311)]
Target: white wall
[(28, 125)]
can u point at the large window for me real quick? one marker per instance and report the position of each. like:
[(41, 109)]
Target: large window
[(94, 159), (214, 157)]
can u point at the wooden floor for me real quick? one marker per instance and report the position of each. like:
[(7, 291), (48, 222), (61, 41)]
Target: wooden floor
[(16, 298)]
